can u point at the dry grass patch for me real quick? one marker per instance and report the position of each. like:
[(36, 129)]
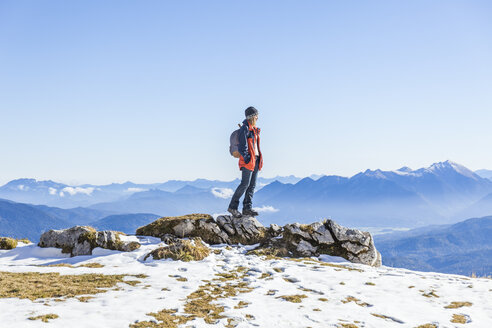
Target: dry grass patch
[(67, 265), (304, 289), (347, 325), (458, 318), (85, 299), (369, 283), (357, 301), (241, 304), (45, 317), (183, 250), (168, 319), (7, 243), (268, 253), (385, 317), (265, 275), (93, 265), (279, 270), (456, 305), (57, 265), (291, 280), (35, 285), (140, 276), (131, 282), (178, 277), (427, 325), (432, 293), (293, 298), (323, 299)]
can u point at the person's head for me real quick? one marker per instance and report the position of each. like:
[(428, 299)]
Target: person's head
[(251, 114)]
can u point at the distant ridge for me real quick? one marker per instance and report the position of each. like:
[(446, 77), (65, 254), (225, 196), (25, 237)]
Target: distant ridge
[(461, 248)]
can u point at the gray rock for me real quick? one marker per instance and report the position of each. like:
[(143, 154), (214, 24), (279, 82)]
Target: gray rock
[(245, 230), (325, 237), (82, 240), (297, 229), (354, 248), (83, 248), (66, 239), (347, 234), (225, 222), (275, 230), (184, 228), (304, 248), (211, 229), (321, 234)]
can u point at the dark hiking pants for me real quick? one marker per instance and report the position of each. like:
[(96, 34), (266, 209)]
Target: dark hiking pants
[(248, 183)]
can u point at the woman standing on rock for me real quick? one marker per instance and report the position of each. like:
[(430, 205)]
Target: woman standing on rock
[(250, 162)]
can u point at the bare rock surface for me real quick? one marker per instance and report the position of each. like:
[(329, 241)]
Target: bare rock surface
[(81, 240), (224, 230), (295, 240)]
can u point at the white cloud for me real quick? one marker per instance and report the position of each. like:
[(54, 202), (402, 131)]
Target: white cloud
[(52, 191), (22, 187), (135, 189), (266, 209), (61, 194), (78, 190), (222, 192)]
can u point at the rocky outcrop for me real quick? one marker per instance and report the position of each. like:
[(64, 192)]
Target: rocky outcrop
[(81, 240), (224, 230), (328, 237), (295, 240)]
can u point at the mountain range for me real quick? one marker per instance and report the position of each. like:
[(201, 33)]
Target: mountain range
[(48, 192), (442, 193), (19, 220), (461, 248)]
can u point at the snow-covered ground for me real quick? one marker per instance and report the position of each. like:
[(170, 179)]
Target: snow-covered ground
[(334, 295)]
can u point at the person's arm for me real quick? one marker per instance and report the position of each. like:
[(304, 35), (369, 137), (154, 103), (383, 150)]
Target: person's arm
[(243, 144)]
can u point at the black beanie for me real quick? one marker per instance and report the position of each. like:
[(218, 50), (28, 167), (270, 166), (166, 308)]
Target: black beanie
[(250, 112)]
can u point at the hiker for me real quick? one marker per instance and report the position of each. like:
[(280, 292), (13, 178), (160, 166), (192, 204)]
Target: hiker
[(250, 162)]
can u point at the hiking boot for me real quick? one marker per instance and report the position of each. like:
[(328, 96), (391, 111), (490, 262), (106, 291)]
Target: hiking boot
[(235, 213), (249, 212)]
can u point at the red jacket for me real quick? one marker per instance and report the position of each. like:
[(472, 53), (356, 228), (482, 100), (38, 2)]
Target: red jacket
[(248, 135)]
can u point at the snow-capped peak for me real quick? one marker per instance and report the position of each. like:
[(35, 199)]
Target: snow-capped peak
[(450, 165)]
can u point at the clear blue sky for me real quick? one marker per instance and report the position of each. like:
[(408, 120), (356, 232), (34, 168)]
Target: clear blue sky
[(110, 91)]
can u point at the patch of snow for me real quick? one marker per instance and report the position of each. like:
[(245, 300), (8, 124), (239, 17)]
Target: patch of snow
[(52, 191), (391, 292)]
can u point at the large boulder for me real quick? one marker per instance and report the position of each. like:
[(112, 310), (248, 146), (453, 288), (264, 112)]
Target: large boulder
[(81, 240), (225, 230), (326, 237)]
